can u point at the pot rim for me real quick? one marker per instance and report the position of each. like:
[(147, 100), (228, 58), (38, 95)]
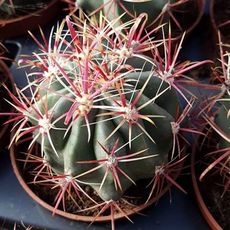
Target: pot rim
[(200, 201), (76, 216)]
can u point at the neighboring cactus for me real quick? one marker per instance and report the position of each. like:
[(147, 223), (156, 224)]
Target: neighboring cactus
[(213, 156), (220, 121), (104, 114), (180, 13), (223, 121), (115, 8)]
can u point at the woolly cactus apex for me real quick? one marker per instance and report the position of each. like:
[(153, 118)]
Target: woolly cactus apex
[(115, 8)]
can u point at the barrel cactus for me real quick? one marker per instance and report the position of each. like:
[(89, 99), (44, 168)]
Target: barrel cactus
[(104, 115), (113, 9), (219, 121), (222, 119), (158, 11)]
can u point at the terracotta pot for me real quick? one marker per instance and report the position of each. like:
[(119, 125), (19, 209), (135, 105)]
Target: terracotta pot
[(200, 201), (8, 80), (14, 151), (20, 25)]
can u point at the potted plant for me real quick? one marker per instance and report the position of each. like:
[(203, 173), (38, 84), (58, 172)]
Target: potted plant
[(19, 16), (210, 164), (184, 15), (6, 81), (99, 131)]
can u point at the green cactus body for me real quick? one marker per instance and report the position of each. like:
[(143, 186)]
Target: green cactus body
[(223, 120), (115, 8), (103, 118), (75, 147)]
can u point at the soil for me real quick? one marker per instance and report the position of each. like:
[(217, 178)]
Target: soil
[(136, 195), (212, 187), (47, 194)]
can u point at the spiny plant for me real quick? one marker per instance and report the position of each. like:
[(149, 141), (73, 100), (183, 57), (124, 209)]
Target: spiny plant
[(11, 8), (158, 11), (219, 122), (104, 115)]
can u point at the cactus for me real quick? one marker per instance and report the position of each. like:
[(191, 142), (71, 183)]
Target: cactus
[(219, 121), (104, 114), (113, 9), (222, 120), (101, 124), (158, 11)]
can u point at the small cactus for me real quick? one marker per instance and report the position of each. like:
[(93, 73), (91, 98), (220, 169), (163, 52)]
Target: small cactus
[(220, 121), (115, 8), (157, 11)]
